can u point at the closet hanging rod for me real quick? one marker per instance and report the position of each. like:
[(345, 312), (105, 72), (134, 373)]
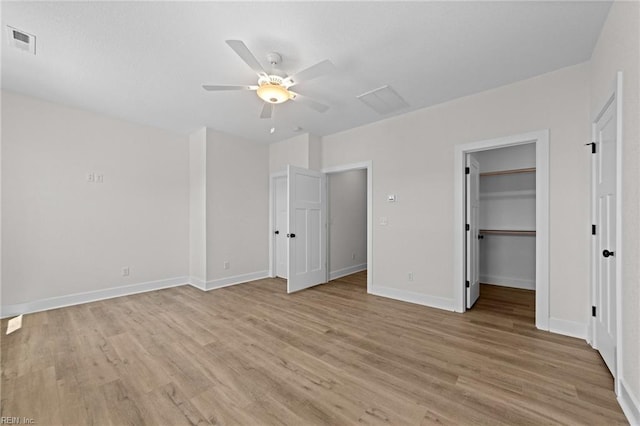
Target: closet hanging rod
[(509, 172), (506, 232)]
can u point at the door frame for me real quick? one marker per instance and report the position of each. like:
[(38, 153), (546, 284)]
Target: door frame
[(272, 219), (368, 166), (613, 95), (541, 139)]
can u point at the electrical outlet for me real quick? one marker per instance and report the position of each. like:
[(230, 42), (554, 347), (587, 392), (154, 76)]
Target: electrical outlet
[(91, 177), (99, 178), (410, 276), (226, 264), (125, 271)]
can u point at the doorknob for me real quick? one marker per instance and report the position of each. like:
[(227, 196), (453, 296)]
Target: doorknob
[(607, 253), (291, 235), (277, 232), (480, 237)]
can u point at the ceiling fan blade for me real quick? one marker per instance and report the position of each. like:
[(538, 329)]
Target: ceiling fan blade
[(315, 105), (267, 110), (243, 51), (314, 71), (213, 87)]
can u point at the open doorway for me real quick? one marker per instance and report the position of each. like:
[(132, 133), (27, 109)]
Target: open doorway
[(280, 211), (347, 222), (501, 211), (286, 236), (540, 140)]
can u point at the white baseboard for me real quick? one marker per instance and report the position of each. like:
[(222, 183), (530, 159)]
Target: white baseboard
[(236, 279), (568, 328), (412, 297), (630, 404), (90, 296), (508, 282), (334, 275), (198, 283)]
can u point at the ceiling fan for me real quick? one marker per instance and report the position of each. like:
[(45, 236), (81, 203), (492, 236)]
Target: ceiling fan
[(274, 88)]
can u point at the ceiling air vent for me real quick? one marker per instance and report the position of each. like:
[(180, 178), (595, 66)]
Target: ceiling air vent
[(383, 100), (21, 40)]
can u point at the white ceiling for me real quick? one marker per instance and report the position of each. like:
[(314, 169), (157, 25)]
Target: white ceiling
[(146, 61)]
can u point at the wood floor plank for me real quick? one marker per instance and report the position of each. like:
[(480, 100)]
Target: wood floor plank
[(124, 403), (137, 364), (218, 409), (169, 405), (252, 354)]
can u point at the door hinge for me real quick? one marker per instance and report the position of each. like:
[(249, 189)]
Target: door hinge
[(593, 147), (593, 311), (467, 284), (593, 230), (466, 171), (467, 227)]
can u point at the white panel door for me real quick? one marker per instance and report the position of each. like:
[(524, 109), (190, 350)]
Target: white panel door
[(473, 231), (605, 238), (281, 212), (307, 237)]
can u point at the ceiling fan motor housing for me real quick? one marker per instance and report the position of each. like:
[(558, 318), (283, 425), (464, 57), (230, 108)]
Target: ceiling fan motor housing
[(270, 79), (274, 58)]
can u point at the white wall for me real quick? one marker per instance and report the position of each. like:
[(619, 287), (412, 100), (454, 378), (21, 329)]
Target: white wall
[(302, 151), (347, 222), (315, 152), (293, 151), (618, 48), (63, 235), (237, 209), (1, 174), (412, 157), (508, 202), (197, 207), (508, 260)]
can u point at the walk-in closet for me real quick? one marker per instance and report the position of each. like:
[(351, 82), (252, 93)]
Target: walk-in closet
[(507, 227)]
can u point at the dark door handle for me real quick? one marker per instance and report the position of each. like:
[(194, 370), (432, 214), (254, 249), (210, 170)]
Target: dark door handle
[(607, 253), (480, 237), (277, 232), (291, 235)]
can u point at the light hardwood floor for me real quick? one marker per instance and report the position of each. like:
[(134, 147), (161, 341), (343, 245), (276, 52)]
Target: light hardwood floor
[(251, 354)]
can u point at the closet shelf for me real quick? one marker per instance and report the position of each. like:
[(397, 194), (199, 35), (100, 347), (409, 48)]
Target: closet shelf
[(509, 172), (506, 232)]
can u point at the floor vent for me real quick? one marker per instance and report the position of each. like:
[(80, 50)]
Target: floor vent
[(21, 40)]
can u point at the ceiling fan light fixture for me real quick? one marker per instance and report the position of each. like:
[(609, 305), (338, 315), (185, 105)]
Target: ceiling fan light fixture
[(273, 93)]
